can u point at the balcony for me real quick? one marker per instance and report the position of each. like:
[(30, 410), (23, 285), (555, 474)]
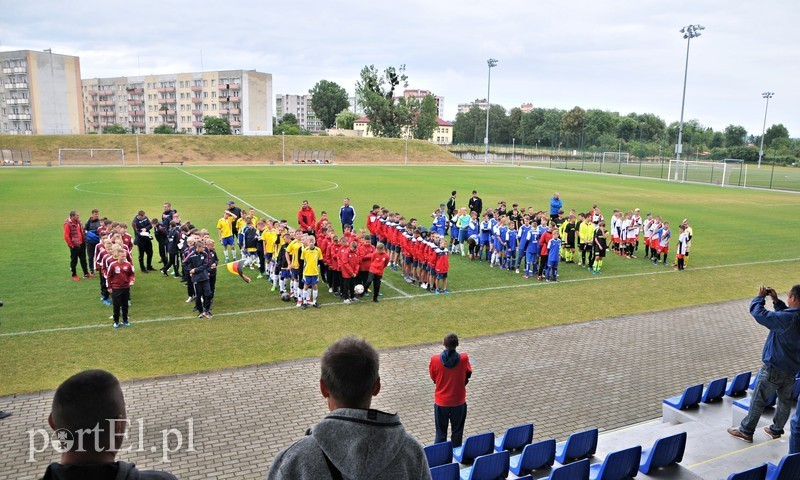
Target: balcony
[(135, 90), (166, 101), (236, 124), (105, 103), (134, 102), (16, 86), (197, 112), (105, 92), (234, 99), (235, 111), (18, 101), (136, 113), (197, 88), (224, 111), (165, 89), (229, 86), (107, 114), (91, 92), (171, 112), (138, 124), (94, 125), (92, 103), (197, 100), (197, 124), (19, 116)]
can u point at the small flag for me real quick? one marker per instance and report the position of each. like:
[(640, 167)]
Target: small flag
[(237, 268)]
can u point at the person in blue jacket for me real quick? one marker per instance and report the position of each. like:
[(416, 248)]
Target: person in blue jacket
[(555, 206), (347, 214)]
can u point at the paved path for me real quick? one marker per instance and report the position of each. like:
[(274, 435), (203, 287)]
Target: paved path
[(607, 373)]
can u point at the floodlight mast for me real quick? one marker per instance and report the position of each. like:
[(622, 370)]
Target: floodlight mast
[(689, 32), (767, 96), (491, 63)]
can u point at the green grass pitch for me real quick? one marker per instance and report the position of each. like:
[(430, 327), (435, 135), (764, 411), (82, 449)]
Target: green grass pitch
[(52, 327)]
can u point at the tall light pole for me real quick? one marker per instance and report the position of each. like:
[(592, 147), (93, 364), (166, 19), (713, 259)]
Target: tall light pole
[(492, 63), (766, 95), (689, 33)]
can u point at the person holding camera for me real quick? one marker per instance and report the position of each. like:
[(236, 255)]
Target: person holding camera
[(781, 357)]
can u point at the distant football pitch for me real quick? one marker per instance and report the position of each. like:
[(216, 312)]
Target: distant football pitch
[(51, 326)]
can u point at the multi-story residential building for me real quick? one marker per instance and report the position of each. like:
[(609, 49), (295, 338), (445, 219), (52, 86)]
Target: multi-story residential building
[(479, 102), (40, 93), (181, 101), (300, 107), (442, 134), (526, 107), (420, 94)]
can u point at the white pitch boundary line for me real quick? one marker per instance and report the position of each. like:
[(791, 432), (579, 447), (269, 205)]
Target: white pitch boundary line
[(408, 296)]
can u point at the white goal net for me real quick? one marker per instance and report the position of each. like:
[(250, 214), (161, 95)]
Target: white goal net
[(91, 156), (718, 173), (616, 157)]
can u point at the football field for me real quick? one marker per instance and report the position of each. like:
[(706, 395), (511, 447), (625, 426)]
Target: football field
[(51, 327)]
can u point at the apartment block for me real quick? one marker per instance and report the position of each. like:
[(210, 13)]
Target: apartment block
[(181, 101), (466, 107), (420, 94), (300, 106), (40, 93)]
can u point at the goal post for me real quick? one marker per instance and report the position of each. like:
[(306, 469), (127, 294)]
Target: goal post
[(717, 173), (616, 157), (68, 157)]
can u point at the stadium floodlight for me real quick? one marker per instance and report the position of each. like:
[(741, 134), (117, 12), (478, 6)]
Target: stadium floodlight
[(767, 96), (492, 62), (689, 32)]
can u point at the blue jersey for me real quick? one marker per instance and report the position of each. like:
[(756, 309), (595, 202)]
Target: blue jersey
[(553, 252), (532, 241), (522, 236), (472, 228), (511, 239)]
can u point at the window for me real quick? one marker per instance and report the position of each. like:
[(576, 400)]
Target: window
[(213, 106), (213, 94), (205, 83), (205, 94), (205, 107), (213, 82)]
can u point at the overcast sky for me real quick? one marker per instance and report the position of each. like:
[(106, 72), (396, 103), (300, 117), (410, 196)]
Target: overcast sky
[(618, 55)]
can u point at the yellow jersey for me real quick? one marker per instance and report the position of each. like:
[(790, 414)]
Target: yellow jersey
[(293, 249), (311, 257), (224, 227), (270, 239)]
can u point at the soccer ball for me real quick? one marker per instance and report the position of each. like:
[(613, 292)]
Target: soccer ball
[(285, 297), (359, 289)]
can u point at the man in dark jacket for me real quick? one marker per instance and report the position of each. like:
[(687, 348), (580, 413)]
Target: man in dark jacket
[(92, 237), (353, 441), (475, 203), (347, 214), (199, 264), (92, 402)]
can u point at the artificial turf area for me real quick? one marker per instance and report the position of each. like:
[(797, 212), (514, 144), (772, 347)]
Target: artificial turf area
[(52, 327)]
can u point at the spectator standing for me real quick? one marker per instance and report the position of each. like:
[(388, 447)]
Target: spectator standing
[(781, 362), (353, 441), (143, 240), (92, 402), (75, 235), (475, 203), (450, 372), (347, 214)]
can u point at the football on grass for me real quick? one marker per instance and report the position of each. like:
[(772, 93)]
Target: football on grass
[(359, 289)]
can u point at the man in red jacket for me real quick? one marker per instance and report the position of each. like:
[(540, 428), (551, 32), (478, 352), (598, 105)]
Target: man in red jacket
[(450, 372), (307, 218), (74, 235)]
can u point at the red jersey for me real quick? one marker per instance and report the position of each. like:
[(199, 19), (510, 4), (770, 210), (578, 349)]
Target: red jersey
[(442, 262), (348, 261), (120, 275), (373, 223), (378, 263), (450, 382), (365, 252), (543, 241), (127, 240)]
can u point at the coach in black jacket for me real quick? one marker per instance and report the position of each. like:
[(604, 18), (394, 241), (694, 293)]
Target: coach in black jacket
[(199, 264)]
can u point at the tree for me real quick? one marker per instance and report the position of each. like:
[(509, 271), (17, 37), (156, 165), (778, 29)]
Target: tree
[(288, 118), (288, 125), (774, 132), (572, 125), (115, 129), (627, 129), (467, 126), (597, 124), (163, 129), (426, 119), (328, 100), (735, 135), (216, 126), (345, 119), (387, 117)]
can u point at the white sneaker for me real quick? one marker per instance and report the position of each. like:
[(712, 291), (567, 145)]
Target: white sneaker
[(189, 299), (347, 301), (299, 304), (330, 290), (424, 285)]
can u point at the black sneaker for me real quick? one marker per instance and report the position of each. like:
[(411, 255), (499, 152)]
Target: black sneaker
[(315, 305), (375, 300)]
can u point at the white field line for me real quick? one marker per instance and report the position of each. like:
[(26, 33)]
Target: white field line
[(404, 294), (407, 296), (213, 184)]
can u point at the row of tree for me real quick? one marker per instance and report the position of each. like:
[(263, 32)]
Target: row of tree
[(211, 126), (643, 134)]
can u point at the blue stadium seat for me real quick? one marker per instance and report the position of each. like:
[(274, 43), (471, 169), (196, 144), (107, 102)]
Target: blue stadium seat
[(578, 445), (474, 446), (757, 473), (788, 469), (715, 390), (448, 471), (534, 456), (744, 403), (515, 438), (665, 451), (574, 471), (738, 385), (439, 453), (488, 467), (688, 399), (619, 465)]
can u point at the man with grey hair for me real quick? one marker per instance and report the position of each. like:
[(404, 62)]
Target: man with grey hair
[(353, 441)]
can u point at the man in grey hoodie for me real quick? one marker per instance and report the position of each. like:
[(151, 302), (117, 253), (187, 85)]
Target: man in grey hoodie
[(354, 441)]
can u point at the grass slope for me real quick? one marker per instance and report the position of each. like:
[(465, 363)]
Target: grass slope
[(252, 325), (213, 149)]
